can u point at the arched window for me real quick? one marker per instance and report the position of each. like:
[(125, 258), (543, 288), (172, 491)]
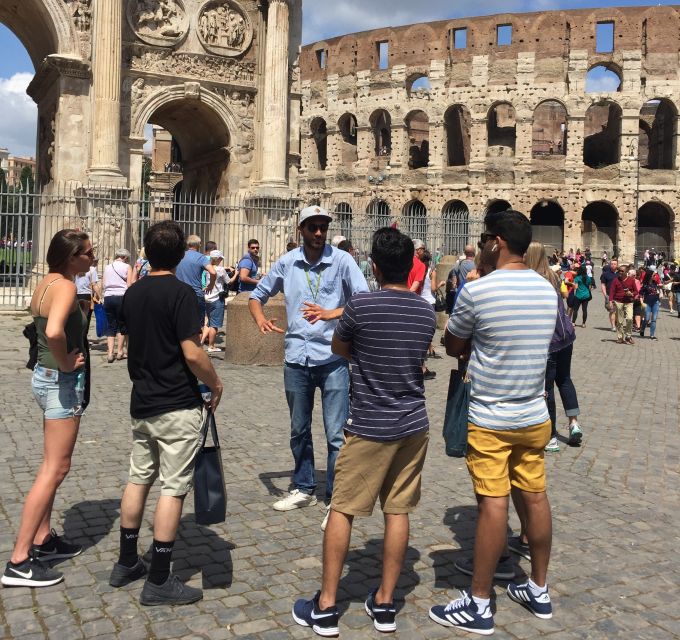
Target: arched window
[(603, 78), (418, 136), (348, 130), (602, 144), (381, 125), (415, 219), (656, 143), (379, 215), (599, 228), (456, 219), (547, 225), (550, 129), (496, 206), (501, 130), (457, 124), (654, 229), (320, 135), (418, 85), (343, 218)]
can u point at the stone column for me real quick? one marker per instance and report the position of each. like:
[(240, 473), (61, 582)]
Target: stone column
[(106, 77), (275, 125)]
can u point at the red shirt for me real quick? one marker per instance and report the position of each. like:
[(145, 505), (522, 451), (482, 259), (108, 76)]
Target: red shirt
[(417, 273), (616, 291)]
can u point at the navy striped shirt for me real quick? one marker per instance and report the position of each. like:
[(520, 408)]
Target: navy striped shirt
[(510, 316), (390, 331)]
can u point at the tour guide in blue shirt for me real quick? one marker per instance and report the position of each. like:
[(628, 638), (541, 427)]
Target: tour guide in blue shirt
[(317, 281)]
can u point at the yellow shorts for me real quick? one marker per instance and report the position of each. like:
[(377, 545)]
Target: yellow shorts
[(367, 470), (498, 459)]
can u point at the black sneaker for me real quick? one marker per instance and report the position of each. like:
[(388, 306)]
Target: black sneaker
[(56, 548), (323, 623), (122, 575), (429, 375), (516, 545), (30, 573), (383, 615), (172, 591)]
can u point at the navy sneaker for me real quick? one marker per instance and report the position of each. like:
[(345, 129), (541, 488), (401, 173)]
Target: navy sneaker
[(383, 615), (308, 614), (463, 614), (56, 548), (540, 606)]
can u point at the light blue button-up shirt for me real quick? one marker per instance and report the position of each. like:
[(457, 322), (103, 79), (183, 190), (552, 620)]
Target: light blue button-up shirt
[(333, 280)]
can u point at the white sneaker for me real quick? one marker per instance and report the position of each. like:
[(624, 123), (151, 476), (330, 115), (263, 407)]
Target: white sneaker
[(213, 349), (324, 522), (296, 499), (553, 445)]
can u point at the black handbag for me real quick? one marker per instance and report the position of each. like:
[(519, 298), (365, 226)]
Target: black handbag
[(455, 430), (210, 494), (439, 300)]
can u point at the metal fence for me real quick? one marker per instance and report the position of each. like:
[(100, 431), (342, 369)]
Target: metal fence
[(116, 217)]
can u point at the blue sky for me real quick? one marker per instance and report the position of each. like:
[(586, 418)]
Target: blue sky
[(322, 20)]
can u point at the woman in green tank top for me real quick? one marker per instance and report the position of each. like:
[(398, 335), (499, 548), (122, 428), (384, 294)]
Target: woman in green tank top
[(58, 384)]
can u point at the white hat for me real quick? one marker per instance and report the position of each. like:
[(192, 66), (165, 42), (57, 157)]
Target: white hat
[(556, 268), (216, 253), (313, 212)]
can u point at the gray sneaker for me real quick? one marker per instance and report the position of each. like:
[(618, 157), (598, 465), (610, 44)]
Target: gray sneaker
[(122, 575), (516, 545), (171, 592), (505, 569)]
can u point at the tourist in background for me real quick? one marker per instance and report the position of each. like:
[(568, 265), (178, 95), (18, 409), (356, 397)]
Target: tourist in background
[(88, 289), (621, 295), (214, 301), (190, 271), (650, 292), (118, 276), (607, 276), (141, 265), (58, 384), (248, 267), (582, 294)]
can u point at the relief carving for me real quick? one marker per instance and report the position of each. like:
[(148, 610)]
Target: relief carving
[(81, 10), (210, 68), (158, 22), (224, 28)]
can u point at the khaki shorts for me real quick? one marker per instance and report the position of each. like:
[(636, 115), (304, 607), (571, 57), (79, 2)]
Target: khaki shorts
[(166, 446), (367, 470), (498, 459)]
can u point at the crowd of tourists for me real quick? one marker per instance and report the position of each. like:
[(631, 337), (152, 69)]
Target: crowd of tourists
[(171, 302)]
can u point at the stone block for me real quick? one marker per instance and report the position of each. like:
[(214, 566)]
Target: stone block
[(244, 344)]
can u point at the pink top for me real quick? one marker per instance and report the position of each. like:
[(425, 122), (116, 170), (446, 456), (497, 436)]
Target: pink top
[(115, 278)]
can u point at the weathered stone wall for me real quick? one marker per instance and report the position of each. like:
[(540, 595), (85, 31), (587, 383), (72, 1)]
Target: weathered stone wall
[(537, 161)]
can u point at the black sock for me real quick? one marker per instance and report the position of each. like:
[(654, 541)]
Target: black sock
[(161, 555), (128, 547)]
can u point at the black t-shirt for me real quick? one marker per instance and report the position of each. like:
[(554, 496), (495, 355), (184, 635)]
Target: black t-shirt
[(160, 312), (607, 276)]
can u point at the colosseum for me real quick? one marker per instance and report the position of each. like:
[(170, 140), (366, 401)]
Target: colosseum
[(567, 116)]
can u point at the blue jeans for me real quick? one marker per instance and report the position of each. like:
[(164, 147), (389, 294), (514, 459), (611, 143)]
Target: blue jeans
[(651, 314), (300, 383), (558, 371)]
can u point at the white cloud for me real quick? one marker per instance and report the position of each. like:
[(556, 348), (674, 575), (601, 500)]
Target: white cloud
[(19, 115)]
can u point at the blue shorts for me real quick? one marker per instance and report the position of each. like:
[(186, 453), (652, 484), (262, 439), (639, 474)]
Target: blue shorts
[(59, 394), (201, 307), (215, 314)]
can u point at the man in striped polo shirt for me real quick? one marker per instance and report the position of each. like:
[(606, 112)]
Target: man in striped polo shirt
[(504, 323)]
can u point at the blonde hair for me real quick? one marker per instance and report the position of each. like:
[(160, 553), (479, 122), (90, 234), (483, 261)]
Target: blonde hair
[(536, 259)]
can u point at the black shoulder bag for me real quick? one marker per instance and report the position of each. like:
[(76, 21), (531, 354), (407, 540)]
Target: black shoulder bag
[(210, 494)]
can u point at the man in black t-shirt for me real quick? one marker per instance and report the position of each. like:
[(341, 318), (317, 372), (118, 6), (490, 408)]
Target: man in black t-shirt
[(606, 278), (164, 359)]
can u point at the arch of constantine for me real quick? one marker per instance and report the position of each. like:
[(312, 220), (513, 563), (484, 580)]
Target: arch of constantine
[(568, 116), (216, 74)]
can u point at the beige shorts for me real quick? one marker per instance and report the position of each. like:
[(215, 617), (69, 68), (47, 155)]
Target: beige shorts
[(166, 446), (367, 470)]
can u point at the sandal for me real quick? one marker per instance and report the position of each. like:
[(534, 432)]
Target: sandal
[(123, 357), (110, 359)]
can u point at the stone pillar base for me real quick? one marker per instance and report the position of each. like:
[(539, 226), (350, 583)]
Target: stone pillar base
[(244, 344)]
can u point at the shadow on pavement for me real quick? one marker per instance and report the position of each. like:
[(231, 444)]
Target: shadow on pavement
[(365, 571), (88, 522), (200, 549), (462, 521), (267, 478)]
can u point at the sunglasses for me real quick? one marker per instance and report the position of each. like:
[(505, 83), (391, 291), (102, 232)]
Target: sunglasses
[(89, 254), (313, 227), (484, 237), (254, 248)]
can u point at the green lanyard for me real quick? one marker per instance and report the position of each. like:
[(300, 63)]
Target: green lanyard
[(314, 292)]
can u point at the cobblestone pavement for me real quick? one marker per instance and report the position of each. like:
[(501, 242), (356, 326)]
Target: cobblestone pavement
[(615, 570)]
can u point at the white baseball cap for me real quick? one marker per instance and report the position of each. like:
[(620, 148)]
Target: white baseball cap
[(313, 212), (216, 253)]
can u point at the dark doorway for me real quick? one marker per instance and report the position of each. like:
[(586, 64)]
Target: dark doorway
[(547, 225)]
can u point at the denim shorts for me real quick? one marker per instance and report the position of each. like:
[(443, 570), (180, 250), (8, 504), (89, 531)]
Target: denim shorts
[(59, 394), (215, 312)]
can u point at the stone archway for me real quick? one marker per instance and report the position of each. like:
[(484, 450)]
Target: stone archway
[(599, 228), (654, 228), (202, 125), (547, 225), (60, 85)]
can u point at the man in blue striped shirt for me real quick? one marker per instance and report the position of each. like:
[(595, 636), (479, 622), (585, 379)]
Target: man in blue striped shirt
[(504, 323)]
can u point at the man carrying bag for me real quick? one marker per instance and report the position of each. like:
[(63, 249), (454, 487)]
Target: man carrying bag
[(165, 359)]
